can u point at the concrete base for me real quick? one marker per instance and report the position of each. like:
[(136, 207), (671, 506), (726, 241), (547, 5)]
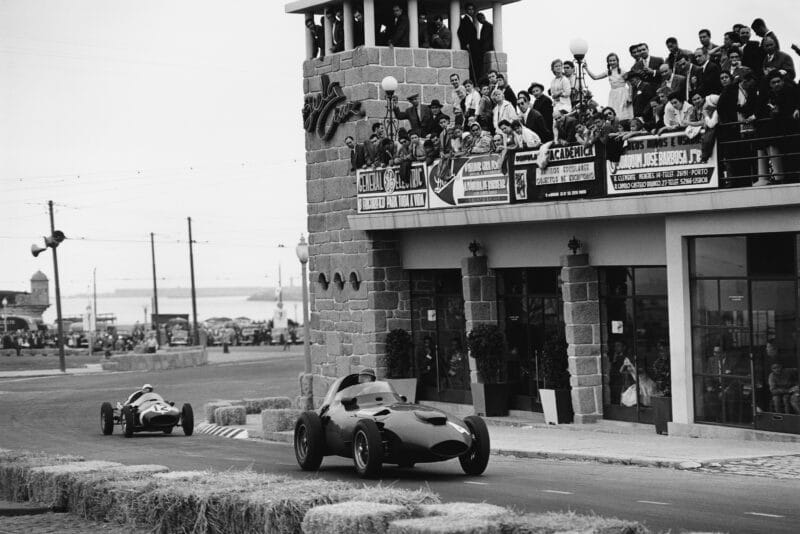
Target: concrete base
[(156, 362), (586, 419), (692, 430)]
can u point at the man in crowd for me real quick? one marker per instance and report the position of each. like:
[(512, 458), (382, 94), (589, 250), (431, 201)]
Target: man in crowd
[(472, 99), (418, 115), (486, 38), (441, 37), (468, 36), (358, 154), (705, 41), (675, 53), (358, 27), (541, 102), (776, 60), (508, 92), (422, 30), (524, 137), (643, 92), (372, 150), (396, 34), (670, 81), (481, 139), (708, 76), (532, 119), (649, 64), (760, 27), (337, 23), (436, 117), (318, 46), (752, 53), (569, 74)]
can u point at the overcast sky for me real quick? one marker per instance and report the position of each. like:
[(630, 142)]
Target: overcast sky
[(133, 115)]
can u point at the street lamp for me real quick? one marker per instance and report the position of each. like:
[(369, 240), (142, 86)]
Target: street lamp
[(579, 47), (389, 86), (5, 320), (302, 254)]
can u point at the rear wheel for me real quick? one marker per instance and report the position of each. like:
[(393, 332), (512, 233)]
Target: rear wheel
[(475, 460), (367, 449), (128, 421), (187, 419), (107, 418), (309, 441)]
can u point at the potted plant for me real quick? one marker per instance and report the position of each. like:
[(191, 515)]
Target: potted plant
[(555, 391), (399, 363), (490, 393), (662, 401)]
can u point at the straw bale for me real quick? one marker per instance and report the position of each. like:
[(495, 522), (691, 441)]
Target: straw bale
[(560, 522), (51, 484), (447, 525), (254, 406), (210, 407), (15, 468), (95, 496), (278, 420), (411, 499), (356, 517), (230, 415), (463, 509), (180, 475)]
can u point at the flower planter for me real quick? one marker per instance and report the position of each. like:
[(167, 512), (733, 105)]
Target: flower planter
[(662, 412), (490, 400), (557, 406)]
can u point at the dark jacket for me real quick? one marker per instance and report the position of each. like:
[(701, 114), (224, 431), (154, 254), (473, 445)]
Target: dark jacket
[(358, 33), (338, 36), (397, 31), (468, 34), (441, 38), (544, 105), (486, 39), (780, 61), (535, 122), (358, 157), (641, 101), (421, 121), (709, 79), (753, 57)]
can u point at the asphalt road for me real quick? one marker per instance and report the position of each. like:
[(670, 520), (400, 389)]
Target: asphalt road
[(61, 415)]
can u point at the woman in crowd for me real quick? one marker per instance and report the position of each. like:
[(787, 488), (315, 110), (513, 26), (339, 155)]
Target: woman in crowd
[(560, 88), (619, 97), (503, 110)]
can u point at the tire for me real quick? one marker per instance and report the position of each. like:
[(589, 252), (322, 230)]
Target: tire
[(107, 418), (309, 441), (367, 449), (187, 419), (475, 460), (128, 421)]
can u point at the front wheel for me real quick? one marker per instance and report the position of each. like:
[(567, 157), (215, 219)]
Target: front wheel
[(187, 419), (475, 460), (107, 418), (367, 449), (309, 441), (128, 421)]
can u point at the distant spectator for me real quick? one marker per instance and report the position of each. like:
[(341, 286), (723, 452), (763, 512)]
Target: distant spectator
[(436, 117), (485, 107), (760, 29), (734, 64), (416, 148), (358, 27), (481, 140), (709, 74), (468, 37), (780, 382), (525, 137), (396, 33), (560, 88), (776, 60), (671, 82), (720, 53), (358, 155), (541, 102), (619, 96), (337, 23), (569, 74), (418, 115), (317, 38), (486, 39), (650, 65), (705, 41), (675, 53), (676, 113), (441, 37), (532, 119), (503, 110), (455, 83), (643, 92), (508, 92), (424, 39), (752, 53), (371, 150), (565, 128)]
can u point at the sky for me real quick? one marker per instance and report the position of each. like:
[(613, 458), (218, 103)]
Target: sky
[(133, 115)]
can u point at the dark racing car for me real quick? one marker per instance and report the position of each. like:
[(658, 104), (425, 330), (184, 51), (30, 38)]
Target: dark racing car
[(145, 411), (370, 423)]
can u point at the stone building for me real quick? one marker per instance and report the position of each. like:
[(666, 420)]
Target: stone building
[(29, 304), (656, 277)]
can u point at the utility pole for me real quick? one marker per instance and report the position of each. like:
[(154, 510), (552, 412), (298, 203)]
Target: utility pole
[(155, 287), (62, 361), (94, 291), (194, 295)]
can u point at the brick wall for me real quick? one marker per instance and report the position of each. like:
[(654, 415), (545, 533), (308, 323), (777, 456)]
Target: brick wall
[(349, 324)]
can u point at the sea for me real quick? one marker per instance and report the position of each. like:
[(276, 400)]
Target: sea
[(129, 310)]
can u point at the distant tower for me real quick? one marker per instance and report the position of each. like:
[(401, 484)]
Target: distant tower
[(40, 289)]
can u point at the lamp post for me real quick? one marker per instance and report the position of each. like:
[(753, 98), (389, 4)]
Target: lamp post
[(389, 86), (579, 47), (5, 316), (302, 254)]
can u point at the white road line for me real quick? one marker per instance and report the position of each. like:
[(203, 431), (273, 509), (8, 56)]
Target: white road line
[(655, 502), (558, 492), (477, 483), (764, 515)]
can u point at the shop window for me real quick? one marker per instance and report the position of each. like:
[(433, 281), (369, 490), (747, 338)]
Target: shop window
[(718, 256), (771, 255)]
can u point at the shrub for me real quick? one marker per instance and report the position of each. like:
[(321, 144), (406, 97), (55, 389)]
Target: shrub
[(254, 406), (555, 372), (487, 344), (398, 353)]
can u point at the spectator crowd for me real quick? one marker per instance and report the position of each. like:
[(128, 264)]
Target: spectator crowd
[(741, 93)]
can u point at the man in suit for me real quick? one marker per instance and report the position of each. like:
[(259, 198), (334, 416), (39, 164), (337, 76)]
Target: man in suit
[(643, 92), (760, 27), (776, 60), (708, 76), (752, 53), (542, 103), (468, 36), (675, 53), (650, 65), (441, 37), (317, 37), (671, 82), (397, 32), (337, 44), (358, 27), (436, 117), (486, 39), (532, 119), (358, 154), (418, 116)]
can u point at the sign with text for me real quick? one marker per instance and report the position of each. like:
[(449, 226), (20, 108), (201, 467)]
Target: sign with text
[(669, 162), (386, 189), (556, 173), (468, 181)]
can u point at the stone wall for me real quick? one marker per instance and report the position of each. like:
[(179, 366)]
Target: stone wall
[(583, 331), (349, 322)]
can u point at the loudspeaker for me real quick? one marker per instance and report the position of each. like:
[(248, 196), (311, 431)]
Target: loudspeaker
[(36, 250)]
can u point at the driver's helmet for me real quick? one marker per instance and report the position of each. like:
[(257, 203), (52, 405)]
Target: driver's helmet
[(147, 388), (366, 375)]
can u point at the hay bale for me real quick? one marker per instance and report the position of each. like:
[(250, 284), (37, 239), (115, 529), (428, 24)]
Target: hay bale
[(463, 509), (210, 407), (50, 485), (278, 420), (267, 403), (355, 517), (15, 467), (180, 475), (230, 415), (554, 522), (101, 495), (447, 525)]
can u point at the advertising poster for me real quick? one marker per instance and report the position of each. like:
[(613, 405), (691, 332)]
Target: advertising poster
[(669, 162), (468, 181), (557, 173), (384, 189)]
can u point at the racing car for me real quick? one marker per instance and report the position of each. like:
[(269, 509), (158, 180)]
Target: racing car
[(372, 424), (148, 412)]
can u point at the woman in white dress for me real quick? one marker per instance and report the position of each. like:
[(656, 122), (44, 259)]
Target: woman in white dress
[(619, 97)]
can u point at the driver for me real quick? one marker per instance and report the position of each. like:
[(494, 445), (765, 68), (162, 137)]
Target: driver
[(147, 388), (366, 375)]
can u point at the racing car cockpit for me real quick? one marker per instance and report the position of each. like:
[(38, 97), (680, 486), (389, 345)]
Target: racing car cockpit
[(146, 398)]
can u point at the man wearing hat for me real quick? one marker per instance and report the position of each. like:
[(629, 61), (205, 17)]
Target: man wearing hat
[(418, 115), (642, 93), (367, 375), (436, 117)]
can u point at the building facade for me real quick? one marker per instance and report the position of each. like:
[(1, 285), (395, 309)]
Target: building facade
[(658, 278)]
